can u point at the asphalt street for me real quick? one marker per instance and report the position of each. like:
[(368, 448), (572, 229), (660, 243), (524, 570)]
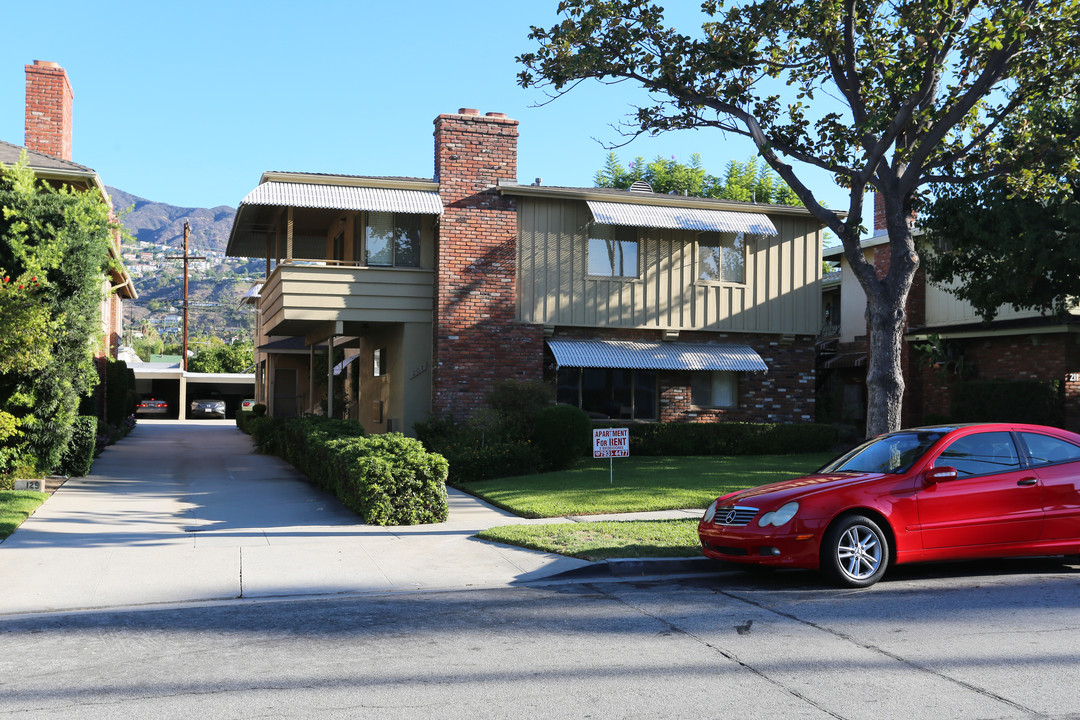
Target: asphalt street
[(990, 640)]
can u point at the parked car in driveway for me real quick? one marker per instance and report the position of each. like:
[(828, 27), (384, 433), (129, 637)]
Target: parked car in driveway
[(924, 494), (150, 407), (208, 408), (247, 405)]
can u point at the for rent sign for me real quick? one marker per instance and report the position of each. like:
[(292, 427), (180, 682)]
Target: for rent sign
[(611, 442)]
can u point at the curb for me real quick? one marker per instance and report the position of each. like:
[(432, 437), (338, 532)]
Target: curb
[(644, 567)]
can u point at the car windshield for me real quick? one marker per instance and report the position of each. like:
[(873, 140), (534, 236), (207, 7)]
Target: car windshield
[(894, 453)]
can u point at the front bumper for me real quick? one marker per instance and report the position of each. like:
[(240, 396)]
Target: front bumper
[(757, 546)]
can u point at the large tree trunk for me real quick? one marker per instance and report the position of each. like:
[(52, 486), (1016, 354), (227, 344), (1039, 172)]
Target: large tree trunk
[(885, 320)]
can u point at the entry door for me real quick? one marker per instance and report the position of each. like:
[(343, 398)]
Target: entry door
[(994, 500), (285, 392)]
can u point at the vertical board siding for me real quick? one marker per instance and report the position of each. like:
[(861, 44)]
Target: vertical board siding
[(782, 292)]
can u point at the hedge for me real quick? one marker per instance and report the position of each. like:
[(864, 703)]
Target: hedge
[(730, 438), (385, 479), (79, 456)]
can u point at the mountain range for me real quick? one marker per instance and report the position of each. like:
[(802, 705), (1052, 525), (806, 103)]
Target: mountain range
[(158, 222)]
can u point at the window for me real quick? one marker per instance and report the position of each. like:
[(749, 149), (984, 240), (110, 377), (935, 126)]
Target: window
[(393, 239), (721, 257), (1046, 450), (378, 362), (609, 392), (714, 389), (613, 251), (980, 454)]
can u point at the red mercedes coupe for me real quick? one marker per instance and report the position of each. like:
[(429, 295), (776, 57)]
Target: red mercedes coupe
[(931, 493)]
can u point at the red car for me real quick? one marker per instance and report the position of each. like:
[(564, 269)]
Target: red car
[(932, 493)]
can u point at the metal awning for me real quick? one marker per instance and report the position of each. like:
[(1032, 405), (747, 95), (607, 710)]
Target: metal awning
[(636, 355), (345, 197), (676, 218)]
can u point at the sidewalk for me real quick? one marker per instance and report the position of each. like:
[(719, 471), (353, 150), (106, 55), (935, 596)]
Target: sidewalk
[(184, 512)]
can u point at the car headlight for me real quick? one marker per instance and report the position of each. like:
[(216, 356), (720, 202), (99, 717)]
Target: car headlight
[(779, 517), (710, 513)]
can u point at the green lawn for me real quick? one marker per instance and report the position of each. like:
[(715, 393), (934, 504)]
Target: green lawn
[(16, 506), (604, 539), (639, 483)]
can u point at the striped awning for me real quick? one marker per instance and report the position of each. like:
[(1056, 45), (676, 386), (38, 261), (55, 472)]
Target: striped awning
[(345, 197), (636, 355), (680, 218)]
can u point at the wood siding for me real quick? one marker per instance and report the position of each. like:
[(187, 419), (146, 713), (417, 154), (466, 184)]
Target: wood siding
[(317, 293), (781, 294)]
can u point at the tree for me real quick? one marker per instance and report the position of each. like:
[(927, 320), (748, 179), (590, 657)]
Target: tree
[(1003, 242), (746, 182), (223, 358), (892, 97), (60, 240)]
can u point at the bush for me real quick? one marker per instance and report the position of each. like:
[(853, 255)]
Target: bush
[(1026, 401), (386, 479), (79, 455), (493, 460), (517, 403), (563, 434), (731, 438)]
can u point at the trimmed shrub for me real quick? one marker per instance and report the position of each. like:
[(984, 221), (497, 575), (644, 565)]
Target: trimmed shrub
[(469, 463), (79, 455), (563, 434), (386, 479), (1026, 401), (730, 438), (517, 403)]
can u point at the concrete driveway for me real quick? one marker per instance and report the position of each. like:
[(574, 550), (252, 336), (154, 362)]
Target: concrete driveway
[(187, 511)]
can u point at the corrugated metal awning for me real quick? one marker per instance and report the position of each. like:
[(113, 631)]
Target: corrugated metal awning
[(699, 219), (846, 360), (345, 197), (635, 355)]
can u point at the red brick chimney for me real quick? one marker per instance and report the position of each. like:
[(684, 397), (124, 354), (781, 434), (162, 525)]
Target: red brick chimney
[(478, 339), (48, 109), (879, 214)]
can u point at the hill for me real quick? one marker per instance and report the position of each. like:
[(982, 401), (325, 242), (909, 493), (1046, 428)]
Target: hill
[(161, 223)]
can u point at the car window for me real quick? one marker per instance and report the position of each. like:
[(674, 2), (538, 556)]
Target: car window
[(981, 454), (887, 454), (1045, 450)]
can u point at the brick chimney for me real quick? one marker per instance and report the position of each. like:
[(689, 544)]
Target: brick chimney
[(477, 338), (879, 214), (48, 109)]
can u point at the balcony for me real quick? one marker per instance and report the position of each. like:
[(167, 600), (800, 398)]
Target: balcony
[(315, 300)]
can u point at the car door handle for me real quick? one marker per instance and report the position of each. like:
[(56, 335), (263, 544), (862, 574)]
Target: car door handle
[(1027, 481)]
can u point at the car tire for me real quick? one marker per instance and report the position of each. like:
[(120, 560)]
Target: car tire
[(855, 552)]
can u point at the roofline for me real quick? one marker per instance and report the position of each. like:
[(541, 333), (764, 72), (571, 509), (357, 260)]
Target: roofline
[(349, 181), (684, 201), (872, 241)]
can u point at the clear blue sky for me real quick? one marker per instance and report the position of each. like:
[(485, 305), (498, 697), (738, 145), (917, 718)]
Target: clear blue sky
[(189, 103)]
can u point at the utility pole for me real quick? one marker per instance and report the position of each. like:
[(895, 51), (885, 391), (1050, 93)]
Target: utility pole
[(185, 257)]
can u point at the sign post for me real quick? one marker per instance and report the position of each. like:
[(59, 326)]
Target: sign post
[(611, 443)]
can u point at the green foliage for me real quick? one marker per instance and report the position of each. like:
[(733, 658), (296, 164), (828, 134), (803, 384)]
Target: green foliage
[(1026, 401), (516, 403), (61, 238), (231, 358), (16, 506), (1007, 249), (386, 479), (79, 456), (121, 399), (751, 181), (681, 439), (563, 434)]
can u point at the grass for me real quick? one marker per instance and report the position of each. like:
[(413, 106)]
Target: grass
[(604, 539), (639, 484), (16, 506)]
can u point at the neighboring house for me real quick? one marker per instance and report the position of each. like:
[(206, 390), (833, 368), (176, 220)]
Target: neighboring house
[(632, 305), (1016, 345), (48, 132)]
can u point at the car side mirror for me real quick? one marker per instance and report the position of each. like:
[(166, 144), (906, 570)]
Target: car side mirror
[(940, 474)]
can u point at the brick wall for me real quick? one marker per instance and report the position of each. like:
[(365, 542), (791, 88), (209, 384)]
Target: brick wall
[(477, 338), (49, 102)]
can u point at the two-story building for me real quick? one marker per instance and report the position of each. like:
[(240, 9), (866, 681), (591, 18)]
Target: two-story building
[(1016, 345), (409, 297)]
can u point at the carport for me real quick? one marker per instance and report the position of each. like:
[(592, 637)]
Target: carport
[(179, 388)]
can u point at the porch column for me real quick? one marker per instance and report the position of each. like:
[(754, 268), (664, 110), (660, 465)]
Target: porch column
[(311, 378), (330, 376)]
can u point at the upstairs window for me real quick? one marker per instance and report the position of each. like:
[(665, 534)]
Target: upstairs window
[(613, 251), (393, 239), (721, 257)]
